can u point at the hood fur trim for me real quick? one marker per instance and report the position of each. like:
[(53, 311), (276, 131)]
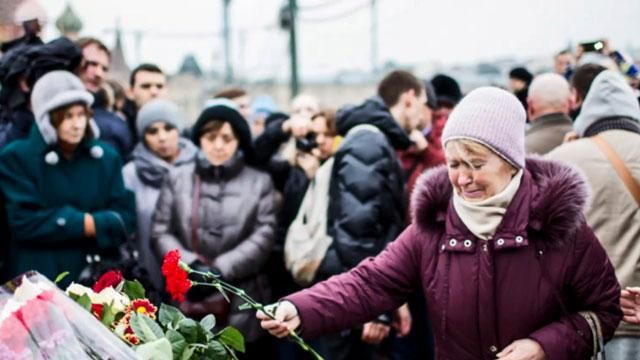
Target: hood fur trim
[(558, 200)]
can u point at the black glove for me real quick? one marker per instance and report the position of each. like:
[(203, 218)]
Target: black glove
[(200, 292)]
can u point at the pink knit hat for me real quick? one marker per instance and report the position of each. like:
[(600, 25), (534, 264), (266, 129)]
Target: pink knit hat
[(493, 117)]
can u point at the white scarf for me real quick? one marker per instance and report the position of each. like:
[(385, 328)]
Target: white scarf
[(482, 218)]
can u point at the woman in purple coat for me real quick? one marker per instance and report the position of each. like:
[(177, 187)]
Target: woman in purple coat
[(498, 245)]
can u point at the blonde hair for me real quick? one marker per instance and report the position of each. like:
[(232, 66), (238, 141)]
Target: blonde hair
[(471, 147)]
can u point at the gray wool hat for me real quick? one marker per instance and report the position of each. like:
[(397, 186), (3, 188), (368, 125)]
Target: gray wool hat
[(159, 110), (52, 91)]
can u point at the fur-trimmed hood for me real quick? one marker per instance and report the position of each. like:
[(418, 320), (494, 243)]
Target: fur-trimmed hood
[(558, 199)]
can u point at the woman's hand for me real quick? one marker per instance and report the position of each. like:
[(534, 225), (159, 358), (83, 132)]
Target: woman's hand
[(89, 226), (419, 140), (523, 349), (286, 319), (630, 303), (298, 126), (374, 332), (402, 320), (309, 163)]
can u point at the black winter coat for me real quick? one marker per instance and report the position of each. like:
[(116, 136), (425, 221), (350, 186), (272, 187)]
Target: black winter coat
[(366, 191)]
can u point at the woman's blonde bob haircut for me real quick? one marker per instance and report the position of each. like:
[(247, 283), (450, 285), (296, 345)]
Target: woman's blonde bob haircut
[(472, 147)]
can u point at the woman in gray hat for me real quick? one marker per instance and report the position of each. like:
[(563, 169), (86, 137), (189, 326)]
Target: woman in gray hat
[(65, 198), (159, 124)]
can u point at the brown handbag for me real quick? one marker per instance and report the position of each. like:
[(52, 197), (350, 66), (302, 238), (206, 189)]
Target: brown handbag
[(621, 169), (215, 304)]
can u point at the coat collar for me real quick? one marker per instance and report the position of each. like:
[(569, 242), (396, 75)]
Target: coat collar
[(550, 201), (553, 119)]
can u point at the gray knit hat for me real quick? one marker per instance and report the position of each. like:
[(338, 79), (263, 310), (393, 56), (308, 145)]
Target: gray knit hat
[(159, 110), (492, 117), (52, 91)]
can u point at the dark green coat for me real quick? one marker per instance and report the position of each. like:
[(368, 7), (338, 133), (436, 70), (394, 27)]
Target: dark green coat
[(46, 202)]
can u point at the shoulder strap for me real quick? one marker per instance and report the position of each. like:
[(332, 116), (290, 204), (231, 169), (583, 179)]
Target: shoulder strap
[(619, 166), (195, 213)]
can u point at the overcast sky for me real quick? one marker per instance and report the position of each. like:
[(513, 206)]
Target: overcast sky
[(410, 31)]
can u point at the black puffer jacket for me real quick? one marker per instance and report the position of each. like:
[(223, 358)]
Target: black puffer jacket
[(366, 191)]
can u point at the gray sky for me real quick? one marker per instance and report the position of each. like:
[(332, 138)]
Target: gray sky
[(410, 31)]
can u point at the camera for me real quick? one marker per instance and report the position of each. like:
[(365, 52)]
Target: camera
[(307, 143), (594, 46)]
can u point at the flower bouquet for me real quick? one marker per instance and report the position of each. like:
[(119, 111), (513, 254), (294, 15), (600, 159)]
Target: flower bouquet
[(38, 321), (158, 334)]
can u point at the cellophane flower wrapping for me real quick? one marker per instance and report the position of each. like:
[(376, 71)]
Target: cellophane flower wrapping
[(39, 321)]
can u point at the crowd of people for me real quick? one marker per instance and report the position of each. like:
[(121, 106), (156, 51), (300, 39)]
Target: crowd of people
[(422, 223)]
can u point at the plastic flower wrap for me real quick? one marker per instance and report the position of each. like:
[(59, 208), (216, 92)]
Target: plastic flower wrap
[(38, 321)]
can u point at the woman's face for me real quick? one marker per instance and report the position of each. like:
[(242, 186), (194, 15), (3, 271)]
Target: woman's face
[(479, 175), (162, 139), (324, 140), (73, 126), (219, 145)]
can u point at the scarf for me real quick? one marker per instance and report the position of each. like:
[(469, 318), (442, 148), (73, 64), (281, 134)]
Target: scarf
[(482, 218)]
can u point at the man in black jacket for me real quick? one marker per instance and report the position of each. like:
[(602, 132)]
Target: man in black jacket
[(366, 206)]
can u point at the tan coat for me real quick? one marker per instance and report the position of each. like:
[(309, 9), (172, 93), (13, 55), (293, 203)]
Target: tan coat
[(546, 133), (613, 213)]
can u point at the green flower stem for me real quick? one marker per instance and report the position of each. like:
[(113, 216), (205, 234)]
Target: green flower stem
[(219, 284)]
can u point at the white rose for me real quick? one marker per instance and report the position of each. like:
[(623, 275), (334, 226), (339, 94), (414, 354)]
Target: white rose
[(110, 296), (80, 290)]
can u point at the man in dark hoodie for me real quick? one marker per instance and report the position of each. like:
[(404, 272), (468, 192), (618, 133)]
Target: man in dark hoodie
[(366, 206)]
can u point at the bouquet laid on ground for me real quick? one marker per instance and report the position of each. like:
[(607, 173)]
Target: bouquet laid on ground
[(38, 321), (158, 334), (176, 274)]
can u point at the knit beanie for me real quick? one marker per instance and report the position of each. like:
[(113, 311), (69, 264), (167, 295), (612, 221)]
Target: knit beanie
[(447, 90), (159, 110), (493, 117), (228, 114)]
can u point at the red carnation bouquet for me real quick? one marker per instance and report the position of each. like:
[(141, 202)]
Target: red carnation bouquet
[(176, 274), (162, 333)]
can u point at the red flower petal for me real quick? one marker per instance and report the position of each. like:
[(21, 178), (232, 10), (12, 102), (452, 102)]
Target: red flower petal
[(176, 278), (109, 279)]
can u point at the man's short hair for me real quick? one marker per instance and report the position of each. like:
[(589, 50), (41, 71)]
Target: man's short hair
[(397, 83), (86, 41), (143, 67), (230, 93), (550, 90), (583, 77)]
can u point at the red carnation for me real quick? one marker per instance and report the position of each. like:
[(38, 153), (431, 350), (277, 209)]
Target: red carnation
[(177, 280), (109, 279)]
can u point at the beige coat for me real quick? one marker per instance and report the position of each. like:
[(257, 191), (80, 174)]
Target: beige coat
[(307, 239), (613, 213), (546, 133)]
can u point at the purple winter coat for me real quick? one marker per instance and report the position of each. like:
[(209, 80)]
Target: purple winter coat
[(481, 296)]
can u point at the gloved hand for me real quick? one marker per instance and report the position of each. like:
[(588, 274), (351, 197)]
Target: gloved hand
[(200, 292)]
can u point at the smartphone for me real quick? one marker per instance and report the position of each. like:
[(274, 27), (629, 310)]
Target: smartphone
[(594, 46)]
